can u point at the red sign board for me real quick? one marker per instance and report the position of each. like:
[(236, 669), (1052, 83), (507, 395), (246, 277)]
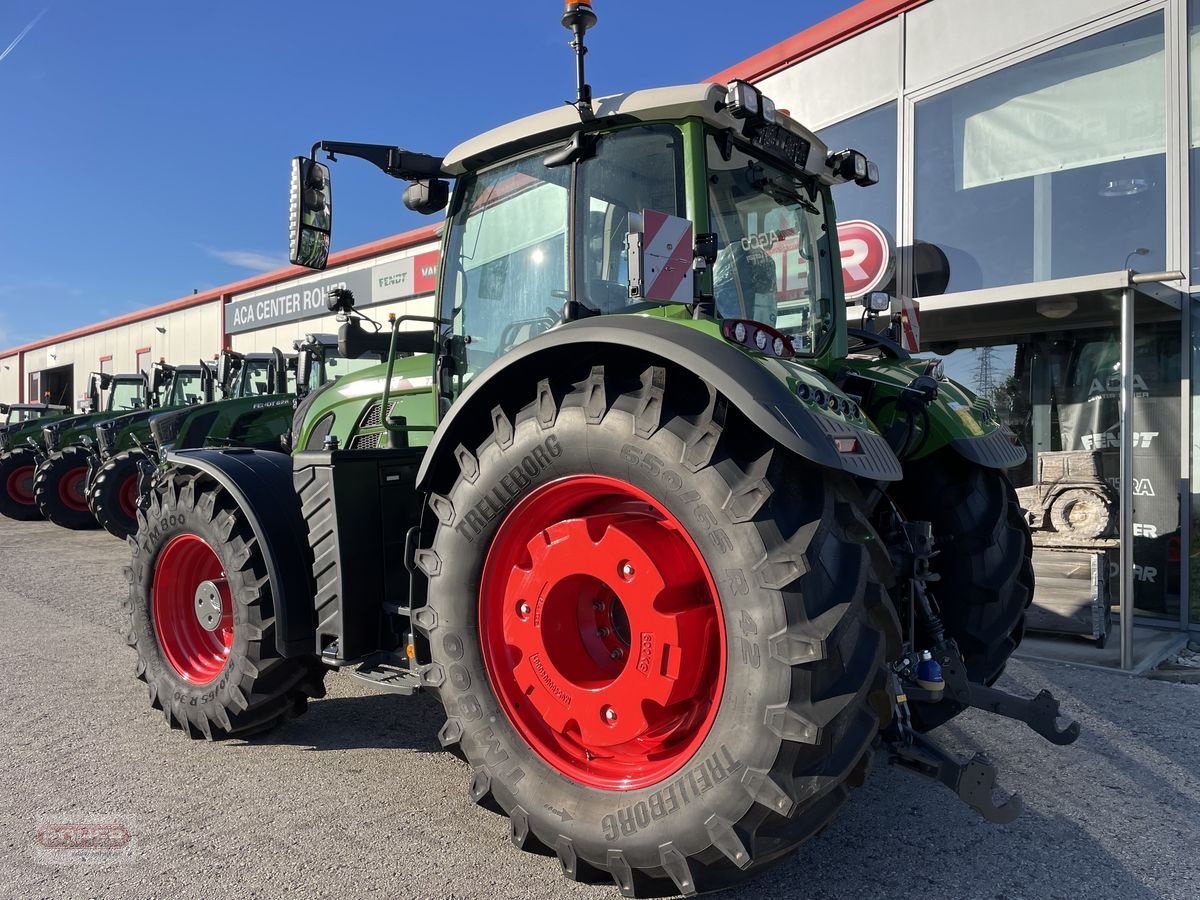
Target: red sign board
[(425, 272), (867, 258)]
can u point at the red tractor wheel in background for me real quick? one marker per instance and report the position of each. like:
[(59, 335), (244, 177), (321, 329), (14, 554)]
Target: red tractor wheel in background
[(113, 494), (17, 471), (60, 489), (658, 638), (201, 617)]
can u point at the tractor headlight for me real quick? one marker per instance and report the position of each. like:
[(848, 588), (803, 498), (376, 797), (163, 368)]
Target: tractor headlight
[(850, 165), (743, 100)]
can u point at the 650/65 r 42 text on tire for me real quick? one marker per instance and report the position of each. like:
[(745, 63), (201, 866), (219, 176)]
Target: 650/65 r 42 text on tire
[(983, 563), (201, 617), (17, 470), (658, 638), (60, 489), (112, 495)]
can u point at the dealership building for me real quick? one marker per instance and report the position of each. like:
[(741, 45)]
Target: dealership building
[(1031, 154)]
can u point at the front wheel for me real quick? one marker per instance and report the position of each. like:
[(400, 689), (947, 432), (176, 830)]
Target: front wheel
[(17, 470), (659, 641), (60, 489), (201, 617), (112, 496)]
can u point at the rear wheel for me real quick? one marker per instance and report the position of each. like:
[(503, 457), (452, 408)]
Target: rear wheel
[(113, 494), (1081, 514), (659, 641), (201, 617), (60, 489), (984, 563), (17, 471)]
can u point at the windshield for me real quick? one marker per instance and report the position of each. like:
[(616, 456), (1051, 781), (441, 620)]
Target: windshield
[(770, 225), (255, 378), (506, 278), (126, 395), (338, 366), (186, 388)]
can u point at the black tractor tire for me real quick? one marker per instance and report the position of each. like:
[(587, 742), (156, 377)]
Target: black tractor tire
[(112, 495), (60, 489), (18, 469), (807, 628), (213, 683), (1081, 514), (984, 563)]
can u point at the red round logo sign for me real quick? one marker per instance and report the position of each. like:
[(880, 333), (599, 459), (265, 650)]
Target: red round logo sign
[(867, 258)]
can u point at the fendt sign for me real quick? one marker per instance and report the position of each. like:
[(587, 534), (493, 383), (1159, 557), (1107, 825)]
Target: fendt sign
[(399, 279)]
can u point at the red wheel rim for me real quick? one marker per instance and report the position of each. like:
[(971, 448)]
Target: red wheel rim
[(20, 485), (127, 497), (187, 577), (602, 632), (72, 489)]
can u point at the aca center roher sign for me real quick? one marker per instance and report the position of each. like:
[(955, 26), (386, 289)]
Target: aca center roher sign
[(397, 279)]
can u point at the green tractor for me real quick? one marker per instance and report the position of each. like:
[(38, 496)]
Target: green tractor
[(122, 443), (60, 452), (18, 463), (662, 547)]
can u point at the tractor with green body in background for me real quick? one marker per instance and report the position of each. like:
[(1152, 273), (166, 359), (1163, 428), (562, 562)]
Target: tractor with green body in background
[(656, 528)]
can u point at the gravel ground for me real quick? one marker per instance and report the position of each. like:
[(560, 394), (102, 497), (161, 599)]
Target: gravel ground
[(355, 799)]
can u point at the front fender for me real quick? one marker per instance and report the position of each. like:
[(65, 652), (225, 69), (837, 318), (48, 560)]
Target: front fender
[(958, 419), (260, 481), (760, 392)]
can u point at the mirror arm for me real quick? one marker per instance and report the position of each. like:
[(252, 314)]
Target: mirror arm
[(395, 161)]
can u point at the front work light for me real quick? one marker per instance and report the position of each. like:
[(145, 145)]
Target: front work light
[(850, 165)]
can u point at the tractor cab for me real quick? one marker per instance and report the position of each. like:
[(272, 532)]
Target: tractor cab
[(126, 393), (699, 202), (255, 374), (181, 385), (320, 361), (19, 413)]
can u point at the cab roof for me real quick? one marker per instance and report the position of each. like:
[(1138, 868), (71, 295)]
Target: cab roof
[(702, 101)]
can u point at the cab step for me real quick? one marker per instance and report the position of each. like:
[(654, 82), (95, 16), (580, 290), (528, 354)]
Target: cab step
[(384, 674)]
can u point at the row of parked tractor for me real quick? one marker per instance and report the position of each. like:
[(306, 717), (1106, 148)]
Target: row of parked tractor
[(89, 469)]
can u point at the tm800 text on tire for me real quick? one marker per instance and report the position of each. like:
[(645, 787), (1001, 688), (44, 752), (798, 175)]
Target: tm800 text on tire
[(201, 617), (659, 641)]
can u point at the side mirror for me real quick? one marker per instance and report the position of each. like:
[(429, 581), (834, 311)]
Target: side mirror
[(304, 367), (310, 216), (279, 372), (224, 371)]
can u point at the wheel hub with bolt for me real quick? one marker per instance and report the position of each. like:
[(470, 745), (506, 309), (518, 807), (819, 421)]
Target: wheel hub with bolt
[(602, 632), (192, 608)]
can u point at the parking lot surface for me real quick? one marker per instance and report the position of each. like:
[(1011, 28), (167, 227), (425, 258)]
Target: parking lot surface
[(355, 799)]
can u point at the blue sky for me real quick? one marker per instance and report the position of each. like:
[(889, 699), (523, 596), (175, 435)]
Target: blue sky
[(146, 144)]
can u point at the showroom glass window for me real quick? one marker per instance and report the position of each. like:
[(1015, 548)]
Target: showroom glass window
[(1052, 168), (874, 133)]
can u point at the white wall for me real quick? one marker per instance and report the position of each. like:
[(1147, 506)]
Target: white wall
[(10, 379), (939, 39), (187, 336)]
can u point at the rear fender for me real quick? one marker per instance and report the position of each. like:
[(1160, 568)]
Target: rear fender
[(762, 393), (261, 483)]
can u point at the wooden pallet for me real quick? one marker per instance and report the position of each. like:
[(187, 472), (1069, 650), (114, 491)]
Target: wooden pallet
[(1072, 593)]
